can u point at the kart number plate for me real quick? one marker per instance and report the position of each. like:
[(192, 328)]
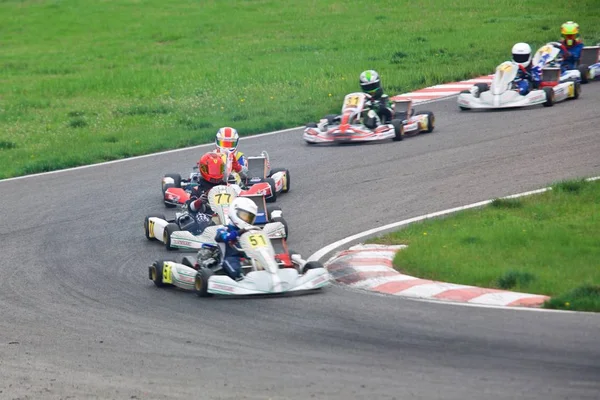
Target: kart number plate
[(167, 277), (150, 228), (257, 240), (222, 198), (352, 101), (505, 67), (571, 90)]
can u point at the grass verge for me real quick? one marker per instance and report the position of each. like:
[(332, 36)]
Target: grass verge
[(544, 244), (87, 81)]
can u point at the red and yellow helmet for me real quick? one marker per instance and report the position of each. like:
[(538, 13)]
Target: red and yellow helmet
[(212, 167)]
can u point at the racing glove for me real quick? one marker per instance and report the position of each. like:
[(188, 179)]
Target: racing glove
[(223, 235)]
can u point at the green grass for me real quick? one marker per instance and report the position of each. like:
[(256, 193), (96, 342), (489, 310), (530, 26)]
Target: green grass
[(83, 81), (545, 244)]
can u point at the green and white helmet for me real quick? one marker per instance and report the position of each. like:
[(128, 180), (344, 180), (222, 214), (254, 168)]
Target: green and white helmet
[(370, 83)]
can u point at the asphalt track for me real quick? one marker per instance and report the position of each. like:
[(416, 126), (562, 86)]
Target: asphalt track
[(80, 319)]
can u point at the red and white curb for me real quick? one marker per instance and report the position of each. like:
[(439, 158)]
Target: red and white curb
[(443, 90), (369, 266)]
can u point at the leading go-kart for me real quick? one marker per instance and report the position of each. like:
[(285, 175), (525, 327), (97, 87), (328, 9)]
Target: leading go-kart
[(189, 231), (358, 123), (265, 270), (502, 93)]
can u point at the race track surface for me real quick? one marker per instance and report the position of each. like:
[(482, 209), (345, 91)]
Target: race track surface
[(80, 319)]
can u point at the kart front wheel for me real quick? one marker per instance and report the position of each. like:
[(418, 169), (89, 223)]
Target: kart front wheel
[(398, 129), (549, 97), (273, 197), (176, 181), (584, 70), (576, 90), (201, 282), (169, 229), (430, 120)]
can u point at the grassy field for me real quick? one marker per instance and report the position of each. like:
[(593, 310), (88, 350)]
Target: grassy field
[(84, 81), (545, 244)]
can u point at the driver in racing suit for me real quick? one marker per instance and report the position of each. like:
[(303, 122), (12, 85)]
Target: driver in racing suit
[(529, 76), (571, 46), (242, 215), (379, 102), (212, 167)]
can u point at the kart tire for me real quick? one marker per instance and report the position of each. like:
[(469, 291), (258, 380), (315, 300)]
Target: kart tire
[(577, 90), (147, 224), (584, 70), (461, 107), (156, 274), (430, 120), (311, 265), (331, 118), (177, 181), (271, 183), (549, 97), (286, 187), (398, 130), (189, 261), (167, 186), (481, 87), (201, 282), (169, 229), (270, 210), (312, 125), (285, 225)]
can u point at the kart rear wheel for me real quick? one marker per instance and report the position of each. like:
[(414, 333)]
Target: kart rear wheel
[(312, 125), (201, 282), (169, 229), (461, 107), (398, 129), (549, 97), (147, 224), (285, 224), (311, 265), (156, 273), (584, 70), (430, 120), (286, 184), (273, 197)]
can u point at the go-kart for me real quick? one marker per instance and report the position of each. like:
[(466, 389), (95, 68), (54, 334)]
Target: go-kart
[(358, 123), (187, 231), (266, 270), (177, 190), (502, 93)]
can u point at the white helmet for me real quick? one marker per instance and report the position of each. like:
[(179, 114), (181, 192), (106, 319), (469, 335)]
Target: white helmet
[(242, 212), (227, 139), (521, 54)]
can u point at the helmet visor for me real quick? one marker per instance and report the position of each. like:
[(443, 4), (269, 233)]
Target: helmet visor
[(370, 87), (227, 143), (520, 58), (246, 216)]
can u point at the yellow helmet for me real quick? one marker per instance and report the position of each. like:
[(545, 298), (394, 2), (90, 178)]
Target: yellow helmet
[(569, 28)]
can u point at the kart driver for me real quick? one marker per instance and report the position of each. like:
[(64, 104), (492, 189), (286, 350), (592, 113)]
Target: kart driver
[(227, 140), (571, 46), (380, 103), (528, 77), (242, 215), (212, 173)]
